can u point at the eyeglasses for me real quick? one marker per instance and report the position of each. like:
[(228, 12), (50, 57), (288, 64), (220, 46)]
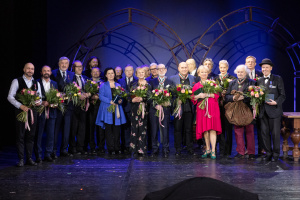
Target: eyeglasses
[(153, 69)]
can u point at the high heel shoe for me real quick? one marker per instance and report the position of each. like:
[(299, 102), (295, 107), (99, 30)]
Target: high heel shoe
[(211, 155), (206, 153)]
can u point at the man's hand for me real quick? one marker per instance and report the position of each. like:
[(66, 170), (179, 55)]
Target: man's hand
[(158, 107), (45, 103), (24, 108), (272, 102), (137, 99), (95, 97), (120, 101)]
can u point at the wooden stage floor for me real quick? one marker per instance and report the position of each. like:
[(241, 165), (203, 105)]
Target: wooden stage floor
[(125, 177)]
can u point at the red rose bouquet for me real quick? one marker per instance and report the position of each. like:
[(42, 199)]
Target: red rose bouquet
[(183, 93)]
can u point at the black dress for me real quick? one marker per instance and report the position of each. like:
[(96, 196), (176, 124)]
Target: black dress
[(138, 136), (225, 138)]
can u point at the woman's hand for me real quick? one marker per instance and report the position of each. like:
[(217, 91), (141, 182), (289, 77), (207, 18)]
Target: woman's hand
[(111, 102), (241, 98), (120, 101), (212, 95)]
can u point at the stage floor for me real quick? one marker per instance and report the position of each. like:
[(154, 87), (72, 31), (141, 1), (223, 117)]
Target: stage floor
[(125, 177)]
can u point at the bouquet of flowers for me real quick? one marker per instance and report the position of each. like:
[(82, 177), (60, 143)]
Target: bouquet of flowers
[(224, 84), (73, 93), (28, 98), (140, 91), (209, 87), (117, 94), (91, 87), (161, 97), (257, 96), (183, 92), (256, 77), (55, 100)]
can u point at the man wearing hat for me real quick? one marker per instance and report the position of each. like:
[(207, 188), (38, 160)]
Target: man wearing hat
[(271, 110)]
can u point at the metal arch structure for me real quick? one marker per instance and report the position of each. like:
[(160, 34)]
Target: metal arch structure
[(125, 17), (260, 18)]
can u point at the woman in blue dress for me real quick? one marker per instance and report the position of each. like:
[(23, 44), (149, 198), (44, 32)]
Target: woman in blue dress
[(110, 121)]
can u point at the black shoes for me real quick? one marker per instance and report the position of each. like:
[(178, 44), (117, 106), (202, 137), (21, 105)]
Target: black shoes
[(165, 154), (267, 158), (31, 162), (39, 160), (275, 159), (20, 163), (178, 153), (66, 154), (192, 153), (251, 156), (48, 159), (53, 156), (239, 156), (154, 154)]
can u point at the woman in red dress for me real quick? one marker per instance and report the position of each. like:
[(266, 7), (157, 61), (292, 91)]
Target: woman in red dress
[(208, 125)]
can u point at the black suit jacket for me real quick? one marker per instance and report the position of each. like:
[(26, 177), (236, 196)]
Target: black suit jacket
[(123, 82), (53, 84), (56, 76), (276, 88)]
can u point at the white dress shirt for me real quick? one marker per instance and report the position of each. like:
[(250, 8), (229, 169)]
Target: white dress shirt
[(14, 88), (194, 72), (46, 85), (79, 80), (252, 74), (62, 75), (266, 80)]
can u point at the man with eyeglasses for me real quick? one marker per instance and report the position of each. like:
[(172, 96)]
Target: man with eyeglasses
[(153, 71), (161, 82)]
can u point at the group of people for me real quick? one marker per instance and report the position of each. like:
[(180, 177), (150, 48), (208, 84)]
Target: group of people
[(133, 127)]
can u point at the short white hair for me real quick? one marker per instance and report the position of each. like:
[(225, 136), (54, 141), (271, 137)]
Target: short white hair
[(224, 62), (243, 67), (64, 58), (161, 65), (153, 64)]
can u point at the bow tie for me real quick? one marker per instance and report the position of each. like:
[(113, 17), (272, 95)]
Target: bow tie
[(266, 78)]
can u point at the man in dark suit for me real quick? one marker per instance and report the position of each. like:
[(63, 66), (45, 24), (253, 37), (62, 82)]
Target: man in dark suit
[(255, 74), (63, 77), (49, 121), (25, 134), (161, 82), (271, 111), (153, 71), (78, 122), (193, 68), (210, 64), (91, 118), (185, 123), (126, 83)]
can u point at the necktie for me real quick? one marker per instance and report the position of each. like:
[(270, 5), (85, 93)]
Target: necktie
[(64, 76)]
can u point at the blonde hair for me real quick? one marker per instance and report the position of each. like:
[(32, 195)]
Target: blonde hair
[(202, 67), (250, 57), (224, 62), (139, 68)]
